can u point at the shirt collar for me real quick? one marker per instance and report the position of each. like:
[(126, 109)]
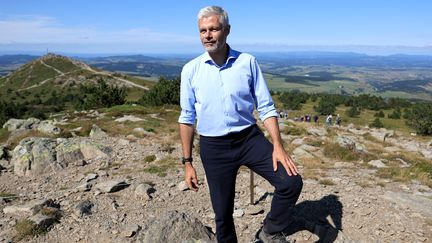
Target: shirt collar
[(232, 54)]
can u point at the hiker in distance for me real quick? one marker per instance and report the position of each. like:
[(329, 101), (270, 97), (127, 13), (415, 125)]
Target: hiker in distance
[(220, 89)]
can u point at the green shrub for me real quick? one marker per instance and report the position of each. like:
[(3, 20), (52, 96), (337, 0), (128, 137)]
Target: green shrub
[(379, 114), (164, 92), (150, 158), (325, 107), (420, 118), (376, 123)]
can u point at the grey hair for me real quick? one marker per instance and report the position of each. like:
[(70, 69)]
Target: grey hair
[(214, 10)]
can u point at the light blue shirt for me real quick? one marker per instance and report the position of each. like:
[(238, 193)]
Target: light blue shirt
[(223, 98)]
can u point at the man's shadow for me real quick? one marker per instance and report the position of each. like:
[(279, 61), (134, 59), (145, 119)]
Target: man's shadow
[(322, 218)]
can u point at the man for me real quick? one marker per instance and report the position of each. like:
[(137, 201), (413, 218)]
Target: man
[(221, 88)]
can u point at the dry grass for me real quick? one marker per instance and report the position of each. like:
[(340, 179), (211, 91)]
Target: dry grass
[(313, 168), (294, 130), (150, 158), (14, 140), (162, 166), (26, 228)]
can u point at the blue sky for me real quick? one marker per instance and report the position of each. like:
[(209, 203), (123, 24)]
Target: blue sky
[(127, 26)]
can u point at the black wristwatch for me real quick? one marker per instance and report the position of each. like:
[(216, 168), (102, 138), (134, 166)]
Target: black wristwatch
[(184, 160)]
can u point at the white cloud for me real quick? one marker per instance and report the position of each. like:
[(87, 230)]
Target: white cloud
[(34, 30)]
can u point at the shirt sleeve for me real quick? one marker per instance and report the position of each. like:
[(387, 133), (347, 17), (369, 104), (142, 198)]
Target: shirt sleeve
[(263, 100), (187, 98)]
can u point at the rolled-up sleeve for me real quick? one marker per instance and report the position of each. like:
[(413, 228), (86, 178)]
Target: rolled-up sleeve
[(263, 100), (187, 98)]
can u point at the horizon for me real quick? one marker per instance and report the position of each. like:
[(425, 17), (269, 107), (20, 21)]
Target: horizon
[(159, 28)]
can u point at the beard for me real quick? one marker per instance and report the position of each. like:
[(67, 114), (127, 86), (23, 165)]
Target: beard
[(214, 47)]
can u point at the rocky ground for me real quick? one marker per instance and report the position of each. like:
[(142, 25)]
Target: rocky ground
[(129, 189)]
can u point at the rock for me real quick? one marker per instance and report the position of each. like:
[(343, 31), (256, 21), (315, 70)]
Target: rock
[(83, 208), (48, 127), (297, 141), (34, 156), (238, 213), (300, 153), (112, 186), (123, 142), (130, 230), (68, 152), (175, 226), (427, 153), (90, 177), (42, 222), (182, 186), (254, 210), (84, 187), (128, 118), (5, 164), (143, 191), (377, 163), (3, 153), (318, 131), (142, 131), (29, 208), (97, 132), (17, 124), (357, 131), (92, 150), (381, 134), (414, 202), (350, 142), (260, 192)]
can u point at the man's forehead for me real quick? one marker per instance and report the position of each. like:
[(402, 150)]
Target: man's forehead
[(209, 18)]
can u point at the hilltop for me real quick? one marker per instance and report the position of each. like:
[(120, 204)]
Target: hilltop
[(55, 72), (114, 175)]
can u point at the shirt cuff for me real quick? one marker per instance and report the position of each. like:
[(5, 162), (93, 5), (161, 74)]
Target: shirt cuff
[(187, 117)]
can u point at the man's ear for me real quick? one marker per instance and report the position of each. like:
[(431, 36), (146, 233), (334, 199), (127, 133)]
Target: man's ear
[(228, 29)]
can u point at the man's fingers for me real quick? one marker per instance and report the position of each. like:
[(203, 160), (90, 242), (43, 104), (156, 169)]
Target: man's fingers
[(287, 168), (275, 164)]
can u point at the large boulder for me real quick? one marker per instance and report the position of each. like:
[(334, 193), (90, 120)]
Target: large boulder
[(175, 226), (33, 156), (381, 134), (32, 124), (97, 132), (350, 142), (92, 150), (68, 152), (48, 127), (17, 124), (318, 131)]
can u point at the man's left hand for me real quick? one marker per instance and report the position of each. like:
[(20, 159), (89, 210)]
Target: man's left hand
[(280, 155)]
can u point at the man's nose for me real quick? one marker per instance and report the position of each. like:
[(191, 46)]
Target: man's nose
[(207, 34)]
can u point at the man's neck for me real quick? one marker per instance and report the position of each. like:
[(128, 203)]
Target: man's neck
[(220, 56)]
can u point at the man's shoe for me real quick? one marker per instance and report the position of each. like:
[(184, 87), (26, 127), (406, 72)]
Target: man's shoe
[(274, 238)]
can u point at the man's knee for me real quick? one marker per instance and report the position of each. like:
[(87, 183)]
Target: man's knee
[(291, 185)]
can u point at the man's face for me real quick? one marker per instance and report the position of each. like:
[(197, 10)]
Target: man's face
[(213, 35)]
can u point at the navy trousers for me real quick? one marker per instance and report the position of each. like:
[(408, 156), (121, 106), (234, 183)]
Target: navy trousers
[(223, 156)]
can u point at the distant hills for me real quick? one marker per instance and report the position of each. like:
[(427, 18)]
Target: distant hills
[(404, 76)]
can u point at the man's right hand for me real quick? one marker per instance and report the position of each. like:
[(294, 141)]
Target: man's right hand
[(191, 177)]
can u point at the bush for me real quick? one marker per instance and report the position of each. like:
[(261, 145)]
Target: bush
[(100, 95), (379, 114), (376, 123), (293, 100), (164, 92), (353, 111), (396, 114), (420, 118), (325, 107)]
